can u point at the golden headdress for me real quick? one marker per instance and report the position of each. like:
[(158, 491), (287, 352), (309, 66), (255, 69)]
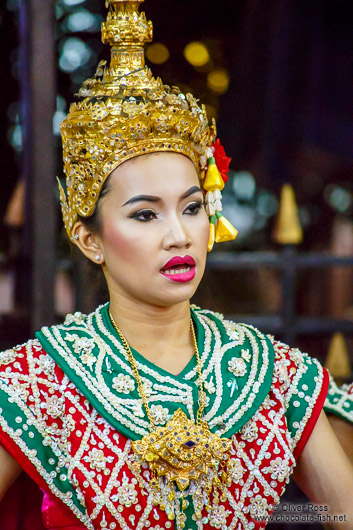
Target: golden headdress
[(125, 112)]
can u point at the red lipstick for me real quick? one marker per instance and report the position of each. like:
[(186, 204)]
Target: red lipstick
[(180, 269)]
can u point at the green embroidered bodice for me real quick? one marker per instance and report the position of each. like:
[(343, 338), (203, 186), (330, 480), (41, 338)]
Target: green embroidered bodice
[(237, 367)]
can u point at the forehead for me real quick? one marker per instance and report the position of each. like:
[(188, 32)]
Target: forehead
[(154, 174)]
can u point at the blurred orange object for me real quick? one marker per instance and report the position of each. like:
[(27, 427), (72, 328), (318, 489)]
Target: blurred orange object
[(14, 215)]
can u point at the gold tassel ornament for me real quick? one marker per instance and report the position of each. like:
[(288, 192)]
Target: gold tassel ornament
[(211, 239), (220, 228), (225, 231), (213, 179)]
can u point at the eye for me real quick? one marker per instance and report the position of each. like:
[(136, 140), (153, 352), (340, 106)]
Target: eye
[(193, 208), (144, 216)]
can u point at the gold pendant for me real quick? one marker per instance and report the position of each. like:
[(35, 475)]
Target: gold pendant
[(181, 450)]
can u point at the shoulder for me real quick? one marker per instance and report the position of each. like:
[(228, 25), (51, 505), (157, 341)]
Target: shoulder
[(33, 358), (31, 383), (33, 347), (242, 348), (76, 329), (24, 364), (287, 361), (300, 377), (20, 353), (294, 366), (299, 381), (234, 331), (71, 321)]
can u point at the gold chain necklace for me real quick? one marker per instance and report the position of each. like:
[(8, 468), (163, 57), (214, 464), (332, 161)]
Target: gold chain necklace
[(141, 390), (181, 451)]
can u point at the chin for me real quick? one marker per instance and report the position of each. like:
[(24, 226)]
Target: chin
[(177, 296), (183, 296)]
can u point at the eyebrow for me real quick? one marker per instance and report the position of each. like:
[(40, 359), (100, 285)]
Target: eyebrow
[(153, 198), (191, 191), (139, 198)]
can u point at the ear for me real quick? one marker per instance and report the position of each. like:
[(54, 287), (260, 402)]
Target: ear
[(88, 242)]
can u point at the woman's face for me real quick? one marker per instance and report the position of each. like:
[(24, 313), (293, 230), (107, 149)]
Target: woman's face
[(154, 230)]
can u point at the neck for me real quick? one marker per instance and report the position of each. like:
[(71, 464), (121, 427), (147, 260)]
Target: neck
[(153, 331)]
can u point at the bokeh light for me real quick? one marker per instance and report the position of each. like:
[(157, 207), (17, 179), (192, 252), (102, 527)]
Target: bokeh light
[(267, 204), (82, 20), (196, 53), (73, 2), (218, 80), (339, 198), (244, 185), (74, 53), (157, 53), (59, 115), (15, 137)]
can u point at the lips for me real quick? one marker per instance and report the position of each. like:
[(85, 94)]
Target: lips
[(180, 269), (178, 260)]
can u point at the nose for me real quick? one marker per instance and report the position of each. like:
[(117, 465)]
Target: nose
[(176, 234)]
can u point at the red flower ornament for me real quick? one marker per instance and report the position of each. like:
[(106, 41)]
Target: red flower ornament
[(222, 161)]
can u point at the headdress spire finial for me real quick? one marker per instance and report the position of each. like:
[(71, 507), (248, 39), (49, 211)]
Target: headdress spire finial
[(126, 30)]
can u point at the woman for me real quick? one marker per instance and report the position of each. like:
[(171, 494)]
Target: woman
[(149, 413)]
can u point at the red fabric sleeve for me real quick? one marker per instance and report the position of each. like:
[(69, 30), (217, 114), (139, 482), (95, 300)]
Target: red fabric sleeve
[(314, 415)]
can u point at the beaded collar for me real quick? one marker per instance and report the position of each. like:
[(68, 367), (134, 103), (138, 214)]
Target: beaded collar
[(237, 367)]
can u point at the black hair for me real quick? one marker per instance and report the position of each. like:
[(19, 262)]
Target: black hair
[(92, 273)]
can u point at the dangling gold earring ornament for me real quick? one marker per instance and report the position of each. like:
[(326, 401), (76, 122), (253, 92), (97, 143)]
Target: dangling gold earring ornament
[(225, 231), (214, 180), (212, 236)]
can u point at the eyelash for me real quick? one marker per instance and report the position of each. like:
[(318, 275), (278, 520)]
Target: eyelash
[(137, 215), (196, 205)]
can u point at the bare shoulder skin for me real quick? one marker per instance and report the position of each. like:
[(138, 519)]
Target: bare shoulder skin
[(325, 474), (344, 432)]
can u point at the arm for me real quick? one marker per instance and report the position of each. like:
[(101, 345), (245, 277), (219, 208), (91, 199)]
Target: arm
[(325, 474), (344, 432), (9, 471)]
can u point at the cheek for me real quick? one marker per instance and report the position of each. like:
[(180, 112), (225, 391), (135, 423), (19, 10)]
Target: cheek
[(116, 241), (125, 241)]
